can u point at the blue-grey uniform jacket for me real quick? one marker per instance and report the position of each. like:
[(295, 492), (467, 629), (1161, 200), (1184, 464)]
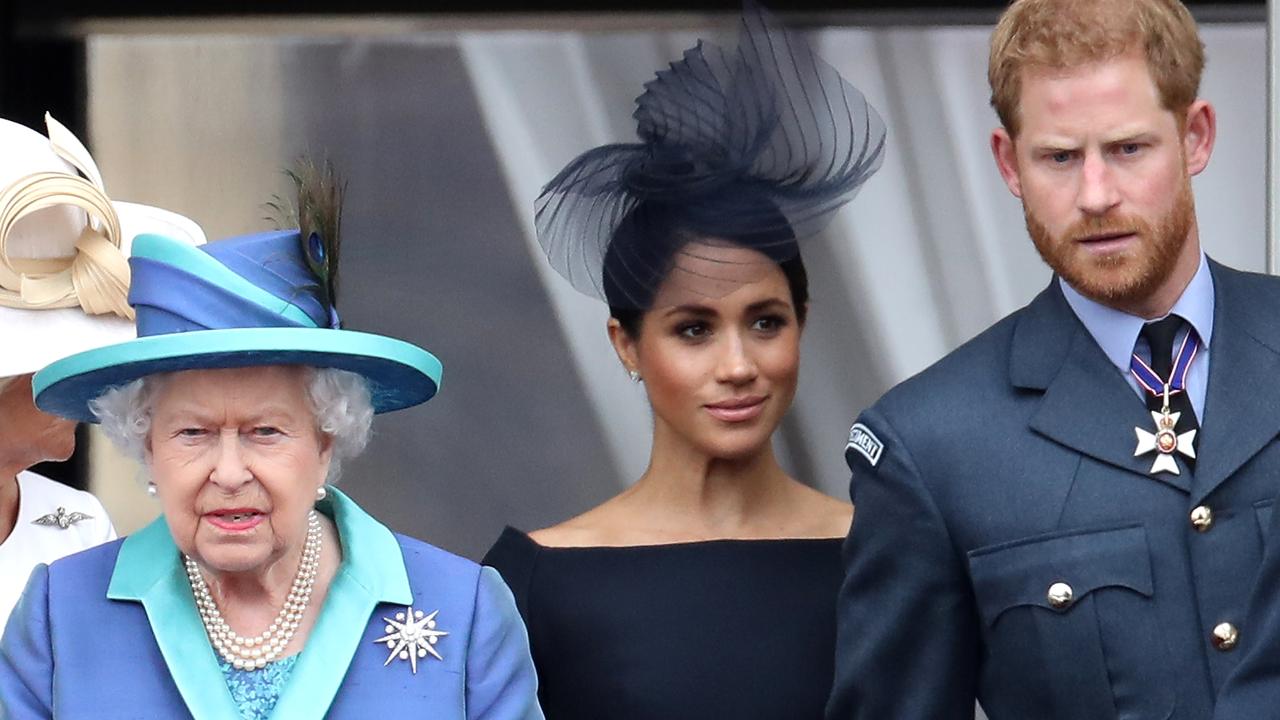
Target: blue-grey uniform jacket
[(1008, 545)]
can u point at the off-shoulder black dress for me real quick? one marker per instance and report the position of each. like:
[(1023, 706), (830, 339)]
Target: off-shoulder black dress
[(734, 629)]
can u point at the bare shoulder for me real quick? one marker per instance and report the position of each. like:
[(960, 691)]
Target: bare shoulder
[(824, 515), (566, 534), (591, 528)]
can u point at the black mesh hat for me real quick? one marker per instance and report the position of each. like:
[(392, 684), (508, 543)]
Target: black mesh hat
[(756, 146)]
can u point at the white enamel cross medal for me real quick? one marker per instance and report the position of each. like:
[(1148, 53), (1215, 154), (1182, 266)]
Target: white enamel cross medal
[(1166, 442)]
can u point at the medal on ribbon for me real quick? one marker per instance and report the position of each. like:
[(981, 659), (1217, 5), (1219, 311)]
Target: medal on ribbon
[(1166, 441)]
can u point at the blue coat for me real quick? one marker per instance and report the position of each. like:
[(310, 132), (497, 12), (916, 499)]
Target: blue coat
[(113, 632), (1008, 468)]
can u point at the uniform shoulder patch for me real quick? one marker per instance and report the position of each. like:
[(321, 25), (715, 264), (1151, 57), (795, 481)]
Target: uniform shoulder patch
[(865, 442)]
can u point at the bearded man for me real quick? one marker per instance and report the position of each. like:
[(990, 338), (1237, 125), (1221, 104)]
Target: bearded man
[(1063, 518)]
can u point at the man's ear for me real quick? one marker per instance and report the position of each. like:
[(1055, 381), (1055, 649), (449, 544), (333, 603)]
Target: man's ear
[(1006, 154), (1201, 130)]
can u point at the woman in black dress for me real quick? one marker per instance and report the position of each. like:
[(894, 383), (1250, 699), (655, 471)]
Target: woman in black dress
[(707, 589)]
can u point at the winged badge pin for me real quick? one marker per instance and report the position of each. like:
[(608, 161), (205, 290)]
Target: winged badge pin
[(62, 518)]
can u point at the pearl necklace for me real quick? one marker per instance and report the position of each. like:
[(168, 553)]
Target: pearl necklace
[(255, 652)]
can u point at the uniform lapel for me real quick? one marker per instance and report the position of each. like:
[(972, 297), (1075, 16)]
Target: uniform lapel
[(1241, 416), (1087, 404)]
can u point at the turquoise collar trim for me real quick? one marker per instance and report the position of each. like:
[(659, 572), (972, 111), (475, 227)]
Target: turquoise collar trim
[(149, 570), (371, 555)]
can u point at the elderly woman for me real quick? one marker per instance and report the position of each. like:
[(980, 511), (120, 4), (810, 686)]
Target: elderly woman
[(262, 591), (63, 281)]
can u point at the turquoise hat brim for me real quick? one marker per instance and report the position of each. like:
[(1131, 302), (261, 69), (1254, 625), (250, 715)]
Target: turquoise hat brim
[(399, 374)]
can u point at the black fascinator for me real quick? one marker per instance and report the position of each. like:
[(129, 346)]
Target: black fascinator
[(757, 146)]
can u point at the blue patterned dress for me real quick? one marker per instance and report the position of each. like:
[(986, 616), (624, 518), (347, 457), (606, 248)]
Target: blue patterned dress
[(256, 691)]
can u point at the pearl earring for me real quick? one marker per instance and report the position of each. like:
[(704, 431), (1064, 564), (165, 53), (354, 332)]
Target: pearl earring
[(321, 493), (635, 376), (151, 489)]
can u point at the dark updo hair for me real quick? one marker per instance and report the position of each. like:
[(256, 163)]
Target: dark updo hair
[(643, 250)]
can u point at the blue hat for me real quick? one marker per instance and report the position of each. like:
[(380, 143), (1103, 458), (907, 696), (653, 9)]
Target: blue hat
[(245, 301)]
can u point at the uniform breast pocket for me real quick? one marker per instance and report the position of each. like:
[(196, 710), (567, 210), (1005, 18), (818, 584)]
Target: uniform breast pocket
[(1262, 510), (1069, 619)]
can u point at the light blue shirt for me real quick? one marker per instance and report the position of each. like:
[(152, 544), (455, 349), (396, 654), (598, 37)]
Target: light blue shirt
[(1116, 332)]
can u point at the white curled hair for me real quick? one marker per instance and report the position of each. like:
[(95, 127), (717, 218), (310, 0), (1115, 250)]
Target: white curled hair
[(339, 399)]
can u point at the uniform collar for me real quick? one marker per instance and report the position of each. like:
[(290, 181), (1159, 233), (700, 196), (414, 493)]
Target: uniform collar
[(149, 570), (1116, 331)]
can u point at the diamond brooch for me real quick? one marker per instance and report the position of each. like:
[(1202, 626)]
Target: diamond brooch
[(412, 635)]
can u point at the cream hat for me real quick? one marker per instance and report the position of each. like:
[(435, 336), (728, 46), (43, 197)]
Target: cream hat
[(64, 249)]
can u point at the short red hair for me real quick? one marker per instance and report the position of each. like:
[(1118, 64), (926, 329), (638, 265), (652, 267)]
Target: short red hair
[(1061, 34)]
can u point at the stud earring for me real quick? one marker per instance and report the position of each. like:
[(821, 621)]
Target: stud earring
[(321, 493), (151, 489), (635, 375)]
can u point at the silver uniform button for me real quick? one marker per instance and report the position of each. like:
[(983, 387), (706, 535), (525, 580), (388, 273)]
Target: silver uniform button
[(1061, 596), (1202, 518), (1225, 636)]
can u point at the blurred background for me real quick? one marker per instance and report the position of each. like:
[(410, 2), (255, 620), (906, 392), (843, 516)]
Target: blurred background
[(447, 121)]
